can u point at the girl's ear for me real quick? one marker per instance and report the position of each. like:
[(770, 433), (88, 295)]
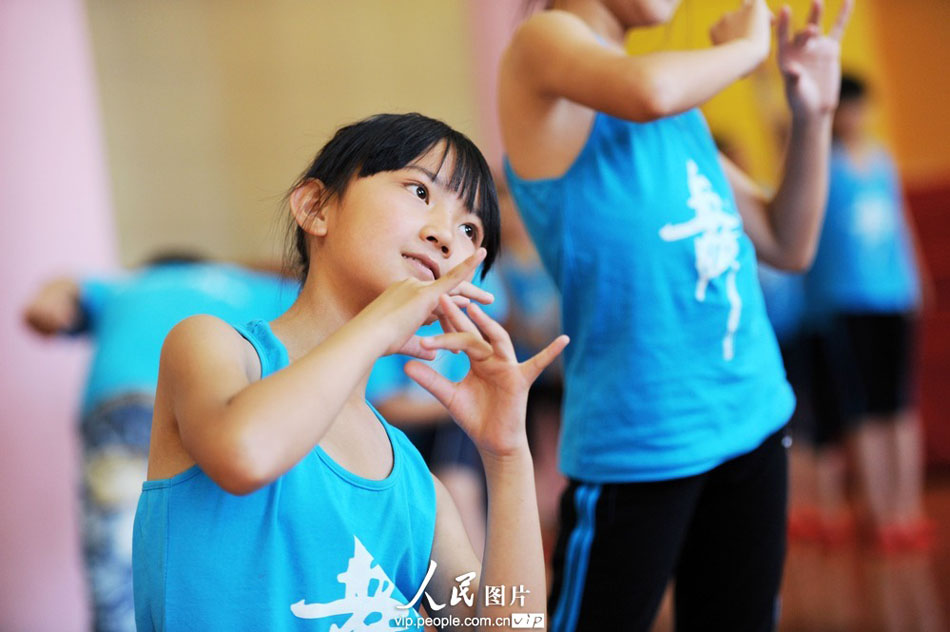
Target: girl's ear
[(309, 208)]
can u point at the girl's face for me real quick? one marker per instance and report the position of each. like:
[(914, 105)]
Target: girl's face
[(635, 13), (851, 120), (398, 224)]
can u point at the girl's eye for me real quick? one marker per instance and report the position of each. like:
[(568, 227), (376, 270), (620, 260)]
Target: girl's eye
[(420, 191), (470, 231)]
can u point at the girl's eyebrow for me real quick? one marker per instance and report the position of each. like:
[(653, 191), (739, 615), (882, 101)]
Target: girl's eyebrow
[(433, 177), (437, 181)]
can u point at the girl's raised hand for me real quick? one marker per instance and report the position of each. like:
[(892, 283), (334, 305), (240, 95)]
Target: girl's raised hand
[(751, 22), (405, 306), (810, 61), (489, 403)]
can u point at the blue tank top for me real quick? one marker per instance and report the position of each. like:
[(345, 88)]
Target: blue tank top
[(673, 367), (865, 260), (129, 317), (317, 547)]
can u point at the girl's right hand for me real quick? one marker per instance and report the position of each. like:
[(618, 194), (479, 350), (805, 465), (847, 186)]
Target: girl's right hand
[(751, 22), (396, 314)]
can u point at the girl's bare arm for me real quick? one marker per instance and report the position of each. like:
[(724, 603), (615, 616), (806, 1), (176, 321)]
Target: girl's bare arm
[(559, 56)]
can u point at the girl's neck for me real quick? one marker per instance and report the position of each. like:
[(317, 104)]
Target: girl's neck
[(859, 151), (597, 16), (314, 316), (856, 146)]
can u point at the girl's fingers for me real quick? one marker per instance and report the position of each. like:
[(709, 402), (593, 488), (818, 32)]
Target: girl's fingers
[(476, 347), (439, 314), (462, 272), (493, 332), (445, 324), (427, 377), (456, 316), (841, 22), (783, 27), (414, 348), (461, 301), (473, 292), (537, 363), (805, 35), (814, 15)]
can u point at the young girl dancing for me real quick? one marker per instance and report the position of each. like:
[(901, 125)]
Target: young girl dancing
[(675, 396), (277, 498)]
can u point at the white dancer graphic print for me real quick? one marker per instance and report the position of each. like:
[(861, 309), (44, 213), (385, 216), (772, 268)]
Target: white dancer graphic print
[(873, 219), (716, 241), (368, 600)]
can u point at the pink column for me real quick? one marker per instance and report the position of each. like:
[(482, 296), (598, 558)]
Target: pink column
[(56, 219), (492, 23)]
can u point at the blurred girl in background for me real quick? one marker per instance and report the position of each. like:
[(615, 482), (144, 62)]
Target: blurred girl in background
[(675, 395)]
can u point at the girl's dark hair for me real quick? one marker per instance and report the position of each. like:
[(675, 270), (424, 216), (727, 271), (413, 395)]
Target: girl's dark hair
[(853, 88), (389, 142)]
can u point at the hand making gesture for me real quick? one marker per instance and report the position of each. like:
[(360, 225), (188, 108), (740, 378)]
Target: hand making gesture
[(411, 303), (489, 404), (810, 61)]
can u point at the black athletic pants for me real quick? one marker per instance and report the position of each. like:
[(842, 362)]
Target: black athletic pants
[(720, 534)]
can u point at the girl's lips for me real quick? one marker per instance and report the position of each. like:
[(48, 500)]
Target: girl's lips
[(424, 265)]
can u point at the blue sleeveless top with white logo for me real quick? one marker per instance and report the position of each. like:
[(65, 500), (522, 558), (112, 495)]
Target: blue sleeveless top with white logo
[(673, 367), (865, 258), (317, 547)]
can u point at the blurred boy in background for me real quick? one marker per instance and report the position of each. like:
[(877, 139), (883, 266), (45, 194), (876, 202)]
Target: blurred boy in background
[(127, 317), (864, 293)]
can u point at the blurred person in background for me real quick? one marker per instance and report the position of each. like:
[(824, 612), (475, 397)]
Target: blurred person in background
[(127, 316), (675, 394), (864, 294)]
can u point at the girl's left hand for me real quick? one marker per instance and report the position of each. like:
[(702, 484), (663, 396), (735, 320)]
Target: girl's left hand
[(489, 403), (810, 62)]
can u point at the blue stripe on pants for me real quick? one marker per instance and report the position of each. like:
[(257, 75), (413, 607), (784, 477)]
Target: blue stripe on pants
[(578, 556)]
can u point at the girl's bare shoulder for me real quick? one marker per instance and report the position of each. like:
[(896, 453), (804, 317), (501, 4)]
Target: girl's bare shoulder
[(205, 341)]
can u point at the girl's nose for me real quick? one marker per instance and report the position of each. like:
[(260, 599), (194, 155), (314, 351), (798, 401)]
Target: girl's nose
[(438, 232), (442, 245)]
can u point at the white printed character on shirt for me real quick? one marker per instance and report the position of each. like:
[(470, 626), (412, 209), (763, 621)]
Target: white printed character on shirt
[(716, 235)]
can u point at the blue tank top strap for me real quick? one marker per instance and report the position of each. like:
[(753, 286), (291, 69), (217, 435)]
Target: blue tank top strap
[(269, 348)]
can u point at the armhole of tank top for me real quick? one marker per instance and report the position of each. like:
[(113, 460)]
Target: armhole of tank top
[(398, 443), (585, 148), (245, 332)]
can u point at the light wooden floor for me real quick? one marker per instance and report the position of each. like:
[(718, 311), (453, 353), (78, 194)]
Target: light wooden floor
[(853, 589)]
